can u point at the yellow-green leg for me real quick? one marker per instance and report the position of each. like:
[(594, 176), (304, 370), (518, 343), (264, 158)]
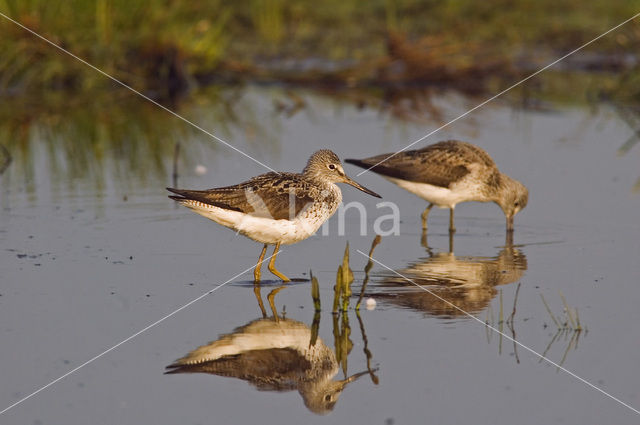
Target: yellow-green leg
[(272, 267), (425, 215), (256, 272), (452, 228)]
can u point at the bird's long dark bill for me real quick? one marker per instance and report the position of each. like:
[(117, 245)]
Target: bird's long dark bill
[(355, 377), (362, 188)]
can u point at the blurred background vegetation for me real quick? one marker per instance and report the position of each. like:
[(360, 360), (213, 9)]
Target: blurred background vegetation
[(390, 55), (165, 47)]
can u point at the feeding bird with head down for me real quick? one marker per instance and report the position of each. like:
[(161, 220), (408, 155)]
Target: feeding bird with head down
[(447, 173)]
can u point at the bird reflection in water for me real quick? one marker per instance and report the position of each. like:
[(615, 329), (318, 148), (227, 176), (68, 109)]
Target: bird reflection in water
[(273, 354), (467, 283)]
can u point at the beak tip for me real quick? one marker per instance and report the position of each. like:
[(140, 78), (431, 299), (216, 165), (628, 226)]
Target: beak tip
[(362, 188), (372, 193)]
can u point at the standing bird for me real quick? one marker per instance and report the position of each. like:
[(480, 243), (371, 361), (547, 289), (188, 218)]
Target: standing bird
[(447, 173), (275, 208)]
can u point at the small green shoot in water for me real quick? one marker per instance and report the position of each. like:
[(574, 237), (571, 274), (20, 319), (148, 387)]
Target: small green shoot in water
[(367, 269), (344, 278), (315, 292)]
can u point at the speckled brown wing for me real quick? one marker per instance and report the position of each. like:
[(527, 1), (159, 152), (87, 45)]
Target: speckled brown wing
[(440, 164), (275, 369), (267, 195)]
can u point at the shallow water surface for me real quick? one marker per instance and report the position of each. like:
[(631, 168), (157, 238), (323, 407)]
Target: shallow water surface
[(94, 252)]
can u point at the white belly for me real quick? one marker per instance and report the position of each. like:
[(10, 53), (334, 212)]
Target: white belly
[(441, 197), (262, 229)]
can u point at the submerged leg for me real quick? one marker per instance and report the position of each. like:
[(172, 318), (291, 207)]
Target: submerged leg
[(423, 239), (256, 272), (452, 227), (425, 243), (272, 267), (425, 214)]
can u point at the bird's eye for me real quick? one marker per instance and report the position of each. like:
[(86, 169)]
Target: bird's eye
[(327, 397), (517, 204), (332, 167)]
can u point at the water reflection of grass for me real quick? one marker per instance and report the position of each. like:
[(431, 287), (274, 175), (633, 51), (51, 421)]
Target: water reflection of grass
[(568, 327), (509, 321), (116, 136), (631, 116), (88, 138), (101, 136), (5, 159), (341, 302)]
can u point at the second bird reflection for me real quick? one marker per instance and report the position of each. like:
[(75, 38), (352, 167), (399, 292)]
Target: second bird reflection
[(467, 282), (273, 354)]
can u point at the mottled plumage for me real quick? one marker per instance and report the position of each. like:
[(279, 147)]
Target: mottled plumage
[(279, 196), (275, 208), (466, 283), (281, 355), (447, 173)]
